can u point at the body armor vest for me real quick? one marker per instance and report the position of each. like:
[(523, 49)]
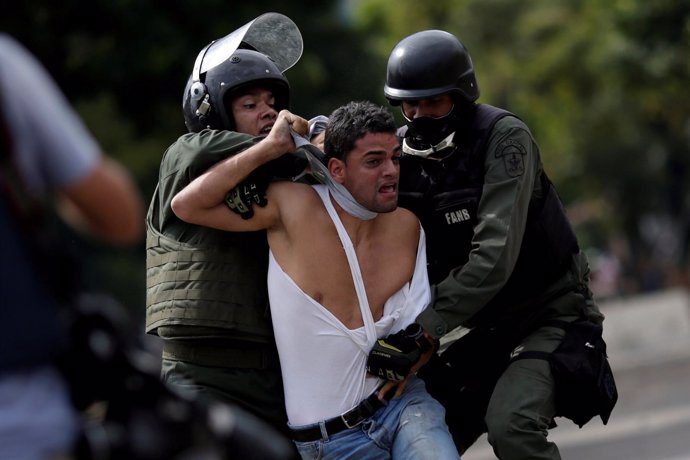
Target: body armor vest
[(197, 276), (218, 282), (445, 196)]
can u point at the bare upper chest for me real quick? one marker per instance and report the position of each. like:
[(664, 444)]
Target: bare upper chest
[(379, 266)]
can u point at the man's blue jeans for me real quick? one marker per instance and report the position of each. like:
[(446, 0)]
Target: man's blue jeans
[(409, 427)]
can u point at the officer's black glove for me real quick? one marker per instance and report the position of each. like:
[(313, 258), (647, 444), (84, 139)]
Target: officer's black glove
[(252, 190), (393, 356), (249, 192)]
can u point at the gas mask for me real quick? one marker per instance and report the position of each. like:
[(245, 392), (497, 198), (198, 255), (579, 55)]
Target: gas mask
[(430, 138)]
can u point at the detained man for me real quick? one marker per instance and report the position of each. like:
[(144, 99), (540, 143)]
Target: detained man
[(346, 267)]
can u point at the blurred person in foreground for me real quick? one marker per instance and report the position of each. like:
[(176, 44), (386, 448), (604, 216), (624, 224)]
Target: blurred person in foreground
[(49, 162), (503, 259), (346, 267)]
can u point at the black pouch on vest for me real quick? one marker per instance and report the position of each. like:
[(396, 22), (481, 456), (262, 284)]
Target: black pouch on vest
[(585, 386)]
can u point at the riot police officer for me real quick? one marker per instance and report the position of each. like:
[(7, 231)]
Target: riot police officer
[(503, 258), (206, 289)]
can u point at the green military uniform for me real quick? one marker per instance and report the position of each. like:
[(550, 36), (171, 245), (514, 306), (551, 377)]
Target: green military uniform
[(514, 270), (206, 290)]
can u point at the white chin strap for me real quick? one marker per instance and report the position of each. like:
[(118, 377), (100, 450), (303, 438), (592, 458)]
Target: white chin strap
[(427, 153)]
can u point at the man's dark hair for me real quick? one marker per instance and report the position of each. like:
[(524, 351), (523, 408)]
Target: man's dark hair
[(350, 122)]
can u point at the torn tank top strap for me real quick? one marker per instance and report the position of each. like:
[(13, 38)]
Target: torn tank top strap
[(367, 317)]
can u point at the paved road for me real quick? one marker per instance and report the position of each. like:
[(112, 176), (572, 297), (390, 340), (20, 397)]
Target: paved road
[(651, 420)]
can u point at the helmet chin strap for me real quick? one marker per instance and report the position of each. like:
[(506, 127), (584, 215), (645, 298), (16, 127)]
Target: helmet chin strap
[(432, 152)]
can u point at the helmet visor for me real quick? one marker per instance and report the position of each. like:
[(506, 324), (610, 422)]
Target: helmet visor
[(272, 34)]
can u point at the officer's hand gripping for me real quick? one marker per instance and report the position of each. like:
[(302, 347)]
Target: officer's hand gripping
[(394, 356), (249, 192)]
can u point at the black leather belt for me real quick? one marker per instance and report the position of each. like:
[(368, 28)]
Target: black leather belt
[(349, 419)]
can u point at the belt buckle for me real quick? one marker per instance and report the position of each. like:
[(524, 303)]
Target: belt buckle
[(356, 423)]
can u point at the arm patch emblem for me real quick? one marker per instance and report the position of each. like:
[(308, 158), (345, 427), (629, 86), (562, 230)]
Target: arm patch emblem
[(512, 152)]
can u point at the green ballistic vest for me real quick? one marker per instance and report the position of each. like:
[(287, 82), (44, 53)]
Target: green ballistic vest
[(207, 285), (196, 276)]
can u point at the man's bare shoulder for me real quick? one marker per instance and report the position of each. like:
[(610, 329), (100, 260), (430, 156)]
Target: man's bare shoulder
[(282, 188), (293, 196), (402, 223), (405, 217), (299, 209)]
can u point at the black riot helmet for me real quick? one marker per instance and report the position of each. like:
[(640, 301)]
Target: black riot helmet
[(206, 98), (429, 63)]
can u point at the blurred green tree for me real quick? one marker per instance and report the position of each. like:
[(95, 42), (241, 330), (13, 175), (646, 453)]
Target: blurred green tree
[(601, 84), (603, 87), (123, 65)]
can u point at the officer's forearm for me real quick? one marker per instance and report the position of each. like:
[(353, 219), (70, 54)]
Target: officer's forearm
[(209, 189)]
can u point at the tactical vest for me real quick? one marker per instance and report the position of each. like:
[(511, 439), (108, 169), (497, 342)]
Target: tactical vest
[(445, 196), (213, 285)]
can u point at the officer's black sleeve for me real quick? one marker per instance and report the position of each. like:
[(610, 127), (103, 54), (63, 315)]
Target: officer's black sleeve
[(512, 164)]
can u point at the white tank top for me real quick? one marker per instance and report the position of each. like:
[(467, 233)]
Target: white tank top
[(323, 362)]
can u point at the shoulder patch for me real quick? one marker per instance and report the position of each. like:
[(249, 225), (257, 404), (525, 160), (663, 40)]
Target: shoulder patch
[(512, 152)]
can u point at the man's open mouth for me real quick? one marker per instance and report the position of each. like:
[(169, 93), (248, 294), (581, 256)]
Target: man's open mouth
[(388, 188)]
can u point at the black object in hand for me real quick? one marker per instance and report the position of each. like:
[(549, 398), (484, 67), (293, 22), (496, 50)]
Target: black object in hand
[(393, 356)]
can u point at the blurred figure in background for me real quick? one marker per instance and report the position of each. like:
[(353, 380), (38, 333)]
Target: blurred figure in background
[(317, 131), (50, 162)]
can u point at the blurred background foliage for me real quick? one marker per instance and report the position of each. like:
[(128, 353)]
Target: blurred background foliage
[(602, 85)]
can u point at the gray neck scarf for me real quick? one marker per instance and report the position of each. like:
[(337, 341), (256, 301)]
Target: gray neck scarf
[(319, 171)]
